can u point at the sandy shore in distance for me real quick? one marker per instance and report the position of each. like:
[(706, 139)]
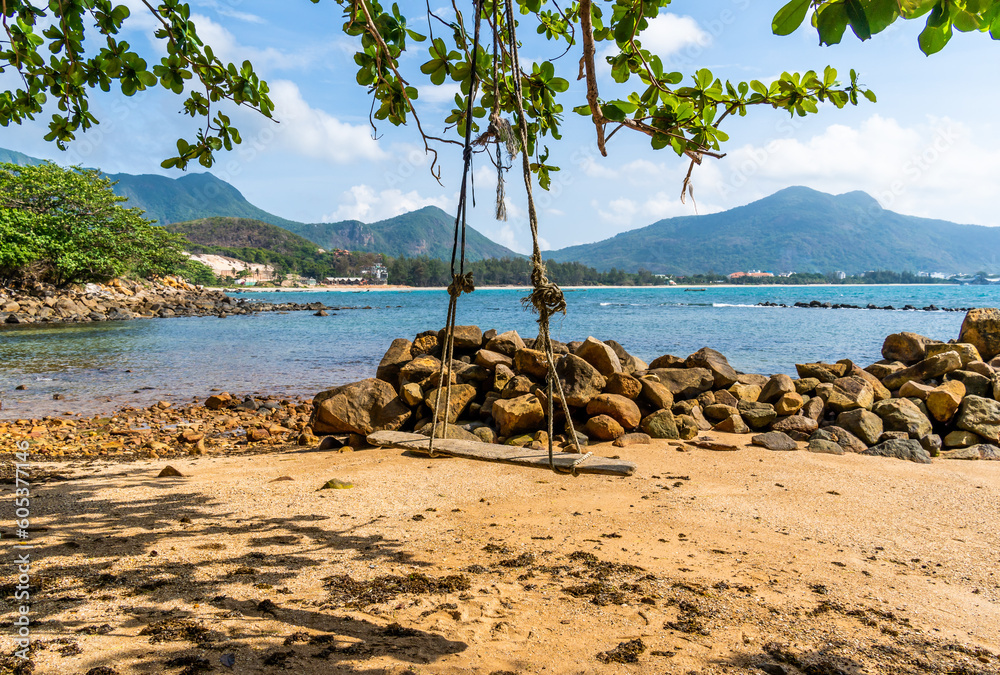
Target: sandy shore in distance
[(358, 289), (702, 562)]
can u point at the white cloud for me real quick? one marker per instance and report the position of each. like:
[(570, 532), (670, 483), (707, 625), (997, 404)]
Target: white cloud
[(363, 203), (669, 33), (227, 48), (230, 12), (444, 93), (313, 132), (933, 169)]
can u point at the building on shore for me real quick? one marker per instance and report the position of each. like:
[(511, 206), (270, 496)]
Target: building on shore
[(752, 274), (377, 273)]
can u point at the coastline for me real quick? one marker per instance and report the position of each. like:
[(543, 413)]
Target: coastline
[(391, 288)]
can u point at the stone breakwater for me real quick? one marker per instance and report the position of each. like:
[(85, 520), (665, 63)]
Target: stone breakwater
[(924, 399), (816, 304), (122, 300)]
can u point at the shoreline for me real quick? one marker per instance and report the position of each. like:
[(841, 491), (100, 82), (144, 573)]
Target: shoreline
[(392, 288)]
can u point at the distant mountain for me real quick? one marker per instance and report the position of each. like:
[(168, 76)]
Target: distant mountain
[(237, 233), (428, 231), (795, 229), (198, 196)]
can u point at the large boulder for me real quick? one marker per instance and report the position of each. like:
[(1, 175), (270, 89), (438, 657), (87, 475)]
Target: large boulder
[(506, 343), (655, 394), (733, 424), (419, 370), (359, 408), (625, 385), (461, 396), (531, 362), (906, 347), (968, 353), (943, 402), (825, 447), (490, 359), (908, 449), (662, 424), (397, 356), (981, 328), (789, 403), (824, 372), (600, 356), (516, 415), (976, 384), (776, 387), (961, 439), (795, 423), (901, 414), (850, 393), (981, 416), (630, 364), (776, 441), (745, 392), (581, 381), (466, 337), (685, 382), (880, 391), (864, 424), (934, 366), (846, 439), (813, 408), (604, 428), (758, 415), (713, 361), (720, 411), (667, 361), (622, 409)]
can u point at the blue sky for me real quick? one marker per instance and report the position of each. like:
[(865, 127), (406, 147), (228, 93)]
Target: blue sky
[(929, 147)]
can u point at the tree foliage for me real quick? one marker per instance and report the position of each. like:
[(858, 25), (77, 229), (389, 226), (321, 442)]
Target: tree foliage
[(66, 226)]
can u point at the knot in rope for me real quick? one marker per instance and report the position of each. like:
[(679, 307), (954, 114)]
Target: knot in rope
[(547, 298), (461, 283)]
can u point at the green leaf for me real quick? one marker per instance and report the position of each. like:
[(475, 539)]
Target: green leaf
[(859, 20), (933, 39), (831, 22), (870, 95), (613, 112), (789, 17)]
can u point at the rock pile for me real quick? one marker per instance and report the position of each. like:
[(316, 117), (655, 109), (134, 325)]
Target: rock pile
[(122, 300), (924, 399)]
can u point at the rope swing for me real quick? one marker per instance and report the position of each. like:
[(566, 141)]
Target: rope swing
[(546, 297)]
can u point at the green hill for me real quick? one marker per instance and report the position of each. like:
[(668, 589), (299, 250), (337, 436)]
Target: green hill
[(235, 233), (428, 231), (796, 229)]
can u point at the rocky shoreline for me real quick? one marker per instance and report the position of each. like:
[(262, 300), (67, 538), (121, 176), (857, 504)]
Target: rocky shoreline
[(122, 300), (816, 304), (924, 399)]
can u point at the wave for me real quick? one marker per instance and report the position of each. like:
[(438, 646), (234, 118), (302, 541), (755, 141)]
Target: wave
[(727, 304)]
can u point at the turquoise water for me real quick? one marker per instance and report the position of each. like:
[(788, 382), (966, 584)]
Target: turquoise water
[(100, 367)]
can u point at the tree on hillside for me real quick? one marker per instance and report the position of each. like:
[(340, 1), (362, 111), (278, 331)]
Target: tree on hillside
[(66, 226)]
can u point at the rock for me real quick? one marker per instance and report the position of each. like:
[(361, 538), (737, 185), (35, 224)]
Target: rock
[(419, 370), (716, 446), (825, 447), (931, 443), (752, 378), (846, 439), (745, 392), (806, 385), (485, 434), (190, 436), (776, 387), (775, 440), (490, 359), (516, 415), (822, 435), (866, 425), (604, 428), (656, 394), (352, 408), (813, 408), (630, 364), (412, 394), (975, 383), (667, 361), (943, 401), (733, 424), (981, 416), (880, 391), (723, 374), (257, 434), (531, 362), (967, 352), (893, 435), (900, 449), (696, 414), (321, 312), (506, 343), (397, 356), (684, 407), (662, 424), (581, 381), (307, 439), (969, 453), (981, 328), (686, 382), (961, 439), (789, 403), (883, 369), (824, 372), (718, 412), (850, 393), (622, 409), (625, 385), (631, 439), (757, 415), (517, 386), (461, 396), (901, 414), (906, 347), (219, 401), (466, 337), (929, 368), (501, 376), (449, 431), (426, 344), (725, 398), (915, 389), (687, 428), (600, 356), (169, 472), (795, 423)]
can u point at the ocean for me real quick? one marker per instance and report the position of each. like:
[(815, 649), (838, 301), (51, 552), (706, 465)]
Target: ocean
[(99, 367)]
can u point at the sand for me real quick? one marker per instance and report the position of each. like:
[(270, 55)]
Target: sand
[(702, 562)]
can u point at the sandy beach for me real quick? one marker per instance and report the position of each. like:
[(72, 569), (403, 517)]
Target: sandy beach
[(702, 562)]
